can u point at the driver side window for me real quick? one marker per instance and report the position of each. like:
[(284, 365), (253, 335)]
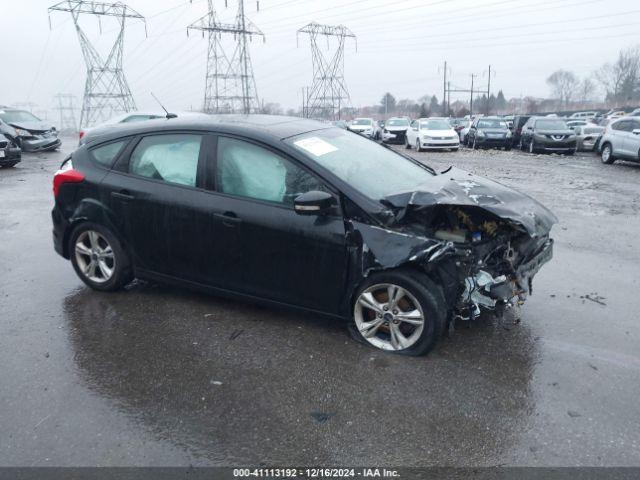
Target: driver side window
[(248, 170)]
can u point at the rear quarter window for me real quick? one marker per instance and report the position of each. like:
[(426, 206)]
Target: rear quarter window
[(106, 154)]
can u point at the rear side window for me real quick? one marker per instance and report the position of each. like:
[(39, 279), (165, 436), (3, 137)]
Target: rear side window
[(106, 154), (624, 125), (170, 158)]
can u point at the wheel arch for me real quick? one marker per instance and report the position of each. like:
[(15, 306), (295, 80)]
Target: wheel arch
[(92, 210)]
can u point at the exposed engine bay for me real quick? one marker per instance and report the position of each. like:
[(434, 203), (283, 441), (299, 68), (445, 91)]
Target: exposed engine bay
[(490, 258), (481, 241)]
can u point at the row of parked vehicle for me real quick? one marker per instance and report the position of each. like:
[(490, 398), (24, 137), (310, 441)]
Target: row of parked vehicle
[(612, 135), (20, 131)]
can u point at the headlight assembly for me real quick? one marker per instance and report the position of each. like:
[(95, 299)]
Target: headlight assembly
[(23, 133)]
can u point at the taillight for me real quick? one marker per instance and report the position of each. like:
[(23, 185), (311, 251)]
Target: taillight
[(66, 174), (81, 134)]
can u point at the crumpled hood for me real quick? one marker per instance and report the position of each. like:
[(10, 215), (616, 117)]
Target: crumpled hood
[(396, 129), (360, 128), (32, 126), (458, 187)]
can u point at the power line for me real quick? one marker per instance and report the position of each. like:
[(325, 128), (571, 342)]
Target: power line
[(106, 89), (328, 92), (229, 84)]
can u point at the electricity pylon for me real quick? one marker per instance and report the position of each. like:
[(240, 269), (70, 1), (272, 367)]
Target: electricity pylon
[(67, 112), (229, 85), (106, 90), (328, 93)]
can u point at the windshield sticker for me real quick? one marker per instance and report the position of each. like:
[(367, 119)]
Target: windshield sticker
[(315, 146)]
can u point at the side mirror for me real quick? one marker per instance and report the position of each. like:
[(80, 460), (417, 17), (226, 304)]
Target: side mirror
[(313, 203), (636, 131)]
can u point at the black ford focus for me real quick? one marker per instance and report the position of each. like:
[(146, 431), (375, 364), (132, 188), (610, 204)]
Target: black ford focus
[(296, 213)]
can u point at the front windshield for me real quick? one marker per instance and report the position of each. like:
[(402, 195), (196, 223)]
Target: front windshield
[(18, 116), (373, 170), (361, 121), (491, 123), (436, 124), (551, 125), (397, 122)]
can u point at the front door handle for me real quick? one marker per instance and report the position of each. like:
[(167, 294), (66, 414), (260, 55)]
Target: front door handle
[(123, 195), (229, 219)]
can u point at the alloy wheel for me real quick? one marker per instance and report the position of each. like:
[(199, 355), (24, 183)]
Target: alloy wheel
[(389, 317), (94, 256)]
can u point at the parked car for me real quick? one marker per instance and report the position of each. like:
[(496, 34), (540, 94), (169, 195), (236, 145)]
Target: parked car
[(431, 133), (635, 113), (615, 114), (621, 140), (297, 213), (508, 119), (10, 153), (395, 130), (129, 117), (460, 124), (576, 123), (516, 130), (366, 126), (544, 134), (29, 132), (464, 132), (583, 115), (588, 136), (486, 132)]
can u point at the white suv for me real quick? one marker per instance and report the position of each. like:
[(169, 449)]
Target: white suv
[(621, 139)]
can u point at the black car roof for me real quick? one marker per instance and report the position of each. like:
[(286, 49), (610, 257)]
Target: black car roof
[(266, 126)]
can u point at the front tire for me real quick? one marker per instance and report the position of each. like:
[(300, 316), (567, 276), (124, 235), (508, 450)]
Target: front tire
[(606, 154), (407, 145), (98, 257), (399, 311), (418, 147), (532, 147)]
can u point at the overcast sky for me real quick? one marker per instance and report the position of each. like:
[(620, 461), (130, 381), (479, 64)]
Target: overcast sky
[(401, 46)]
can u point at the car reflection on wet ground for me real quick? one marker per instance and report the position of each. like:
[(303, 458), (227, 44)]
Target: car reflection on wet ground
[(155, 375)]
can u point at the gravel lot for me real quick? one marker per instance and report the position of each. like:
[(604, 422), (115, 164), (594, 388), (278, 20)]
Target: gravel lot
[(161, 376)]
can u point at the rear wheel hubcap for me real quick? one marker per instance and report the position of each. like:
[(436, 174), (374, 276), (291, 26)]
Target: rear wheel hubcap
[(94, 256)]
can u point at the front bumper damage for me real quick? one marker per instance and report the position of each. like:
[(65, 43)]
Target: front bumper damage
[(40, 142), (10, 153), (394, 136), (482, 242)]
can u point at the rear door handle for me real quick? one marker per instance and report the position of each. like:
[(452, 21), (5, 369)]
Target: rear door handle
[(123, 195), (229, 219)]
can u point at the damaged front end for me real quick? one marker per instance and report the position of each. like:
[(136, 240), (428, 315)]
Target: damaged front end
[(481, 241)]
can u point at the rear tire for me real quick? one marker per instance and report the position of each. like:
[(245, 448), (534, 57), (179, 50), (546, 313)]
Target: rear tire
[(98, 257), (10, 165), (423, 296)]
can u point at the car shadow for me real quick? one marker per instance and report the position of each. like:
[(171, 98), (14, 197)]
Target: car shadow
[(234, 383)]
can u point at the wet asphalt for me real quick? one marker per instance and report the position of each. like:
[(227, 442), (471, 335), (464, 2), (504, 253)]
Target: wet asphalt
[(154, 375)]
